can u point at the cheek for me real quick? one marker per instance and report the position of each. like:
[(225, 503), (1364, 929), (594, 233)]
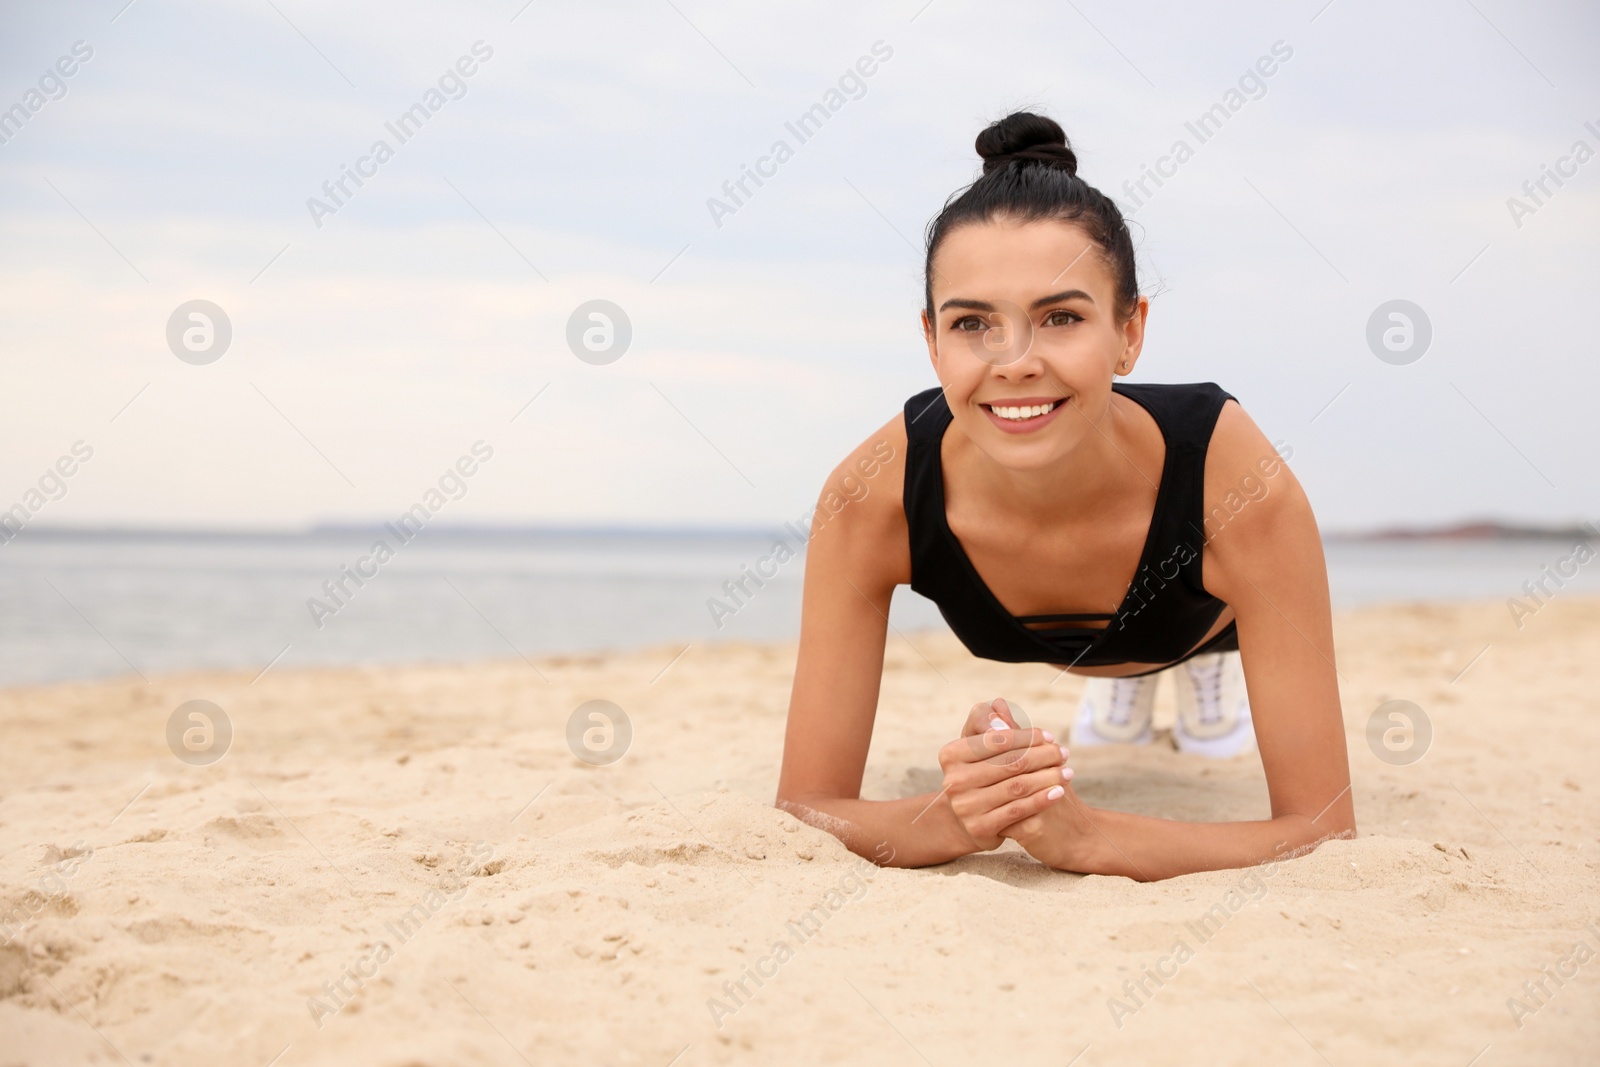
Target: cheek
[(1083, 350), (961, 376), (1087, 380), (961, 352)]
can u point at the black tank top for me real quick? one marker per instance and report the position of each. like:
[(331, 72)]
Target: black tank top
[(1166, 610)]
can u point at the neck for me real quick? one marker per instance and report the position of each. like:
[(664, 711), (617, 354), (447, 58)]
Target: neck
[(1096, 471)]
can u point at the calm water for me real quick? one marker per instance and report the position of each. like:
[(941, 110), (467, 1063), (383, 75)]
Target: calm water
[(84, 605)]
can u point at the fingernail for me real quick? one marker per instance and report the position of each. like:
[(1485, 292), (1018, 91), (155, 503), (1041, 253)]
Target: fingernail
[(1048, 736), (1066, 773), (1064, 752), (1056, 792), (998, 723)]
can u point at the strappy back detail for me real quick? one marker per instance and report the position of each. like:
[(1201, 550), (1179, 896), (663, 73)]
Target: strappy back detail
[(1165, 611)]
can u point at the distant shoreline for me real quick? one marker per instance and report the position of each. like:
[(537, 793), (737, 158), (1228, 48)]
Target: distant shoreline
[(1470, 531), (1485, 530)]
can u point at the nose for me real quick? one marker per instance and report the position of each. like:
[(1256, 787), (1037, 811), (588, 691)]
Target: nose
[(1008, 342)]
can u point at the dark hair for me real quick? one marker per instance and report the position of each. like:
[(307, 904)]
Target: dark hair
[(1030, 173)]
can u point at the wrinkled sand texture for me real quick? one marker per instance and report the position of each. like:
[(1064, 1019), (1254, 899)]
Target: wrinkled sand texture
[(622, 898)]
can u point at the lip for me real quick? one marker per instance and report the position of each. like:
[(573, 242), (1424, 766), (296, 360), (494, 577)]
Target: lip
[(1038, 422)]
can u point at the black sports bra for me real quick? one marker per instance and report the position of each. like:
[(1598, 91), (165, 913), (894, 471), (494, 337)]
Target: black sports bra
[(1166, 610)]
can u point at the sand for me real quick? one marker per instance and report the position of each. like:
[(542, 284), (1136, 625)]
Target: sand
[(175, 914)]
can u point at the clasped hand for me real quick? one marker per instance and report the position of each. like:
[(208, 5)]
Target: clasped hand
[(1003, 781)]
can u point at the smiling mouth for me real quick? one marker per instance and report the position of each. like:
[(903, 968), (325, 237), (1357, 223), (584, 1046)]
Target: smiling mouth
[(1023, 412)]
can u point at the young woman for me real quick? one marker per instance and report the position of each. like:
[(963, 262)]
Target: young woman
[(1058, 516)]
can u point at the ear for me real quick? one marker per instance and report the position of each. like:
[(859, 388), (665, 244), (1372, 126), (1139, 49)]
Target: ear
[(1133, 337), (933, 344)]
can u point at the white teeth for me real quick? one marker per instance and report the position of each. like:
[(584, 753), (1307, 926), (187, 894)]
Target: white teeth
[(1031, 412)]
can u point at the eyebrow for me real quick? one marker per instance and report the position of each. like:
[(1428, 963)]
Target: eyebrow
[(984, 305)]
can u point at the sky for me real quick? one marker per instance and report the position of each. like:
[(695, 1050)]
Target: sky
[(382, 332)]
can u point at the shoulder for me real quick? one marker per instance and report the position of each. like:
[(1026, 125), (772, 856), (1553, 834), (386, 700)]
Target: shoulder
[(1188, 409), (1256, 514), (924, 414), (860, 517), (1244, 468), (1175, 391), (874, 469)]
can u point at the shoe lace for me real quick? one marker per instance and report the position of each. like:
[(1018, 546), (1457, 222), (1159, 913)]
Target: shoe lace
[(1207, 679), (1124, 694)]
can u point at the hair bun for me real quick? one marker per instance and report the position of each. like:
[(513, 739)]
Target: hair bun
[(1026, 136)]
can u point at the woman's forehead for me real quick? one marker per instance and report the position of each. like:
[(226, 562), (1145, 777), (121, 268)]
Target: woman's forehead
[(1044, 256)]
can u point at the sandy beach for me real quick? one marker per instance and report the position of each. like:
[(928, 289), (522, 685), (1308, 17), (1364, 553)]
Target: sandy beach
[(409, 866)]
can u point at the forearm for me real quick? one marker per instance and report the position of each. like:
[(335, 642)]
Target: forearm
[(910, 832), (1146, 849)]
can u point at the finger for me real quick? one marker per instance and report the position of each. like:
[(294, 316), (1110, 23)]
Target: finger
[(1002, 716), (991, 743), (1001, 748), (1031, 824), (977, 803), (1022, 785), (980, 719), (1022, 828), (1023, 760), (994, 714), (978, 777), (998, 819), (977, 747)]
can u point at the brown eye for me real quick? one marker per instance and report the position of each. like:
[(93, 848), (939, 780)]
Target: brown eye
[(1062, 317), (959, 324)]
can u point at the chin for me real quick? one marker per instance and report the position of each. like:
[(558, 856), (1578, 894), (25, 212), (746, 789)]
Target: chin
[(1028, 454)]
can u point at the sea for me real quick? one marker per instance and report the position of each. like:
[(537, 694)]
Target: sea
[(95, 604)]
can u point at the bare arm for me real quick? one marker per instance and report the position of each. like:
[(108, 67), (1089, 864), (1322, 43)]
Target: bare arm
[(1266, 563), (857, 554)]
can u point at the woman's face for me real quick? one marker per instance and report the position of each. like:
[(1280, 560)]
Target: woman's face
[(1026, 338)]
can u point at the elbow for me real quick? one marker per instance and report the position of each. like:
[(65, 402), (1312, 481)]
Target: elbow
[(803, 807), (1337, 821), (807, 808), (1313, 832)]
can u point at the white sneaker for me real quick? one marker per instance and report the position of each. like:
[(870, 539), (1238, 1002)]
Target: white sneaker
[(1116, 711), (1213, 708)]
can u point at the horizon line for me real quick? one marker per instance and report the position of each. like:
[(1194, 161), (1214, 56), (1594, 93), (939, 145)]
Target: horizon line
[(1473, 529)]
